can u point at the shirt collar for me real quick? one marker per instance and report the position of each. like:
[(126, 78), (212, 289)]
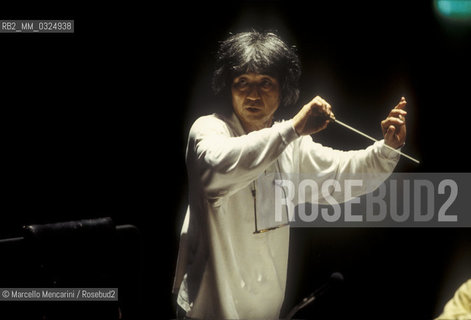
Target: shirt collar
[(237, 125)]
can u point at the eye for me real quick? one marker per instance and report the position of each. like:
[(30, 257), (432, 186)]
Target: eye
[(241, 83), (266, 84)]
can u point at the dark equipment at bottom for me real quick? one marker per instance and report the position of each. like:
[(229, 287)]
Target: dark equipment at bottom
[(335, 279), (92, 253)]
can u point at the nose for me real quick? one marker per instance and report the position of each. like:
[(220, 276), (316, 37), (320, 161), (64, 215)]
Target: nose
[(253, 94)]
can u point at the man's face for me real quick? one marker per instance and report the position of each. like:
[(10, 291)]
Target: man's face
[(255, 98)]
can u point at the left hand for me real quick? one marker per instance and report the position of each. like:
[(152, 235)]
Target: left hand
[(394, 126)]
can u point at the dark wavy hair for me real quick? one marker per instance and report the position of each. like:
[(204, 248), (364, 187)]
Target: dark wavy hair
[(262, 53)]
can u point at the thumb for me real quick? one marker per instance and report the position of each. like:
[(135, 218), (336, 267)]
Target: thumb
[(390, 133)]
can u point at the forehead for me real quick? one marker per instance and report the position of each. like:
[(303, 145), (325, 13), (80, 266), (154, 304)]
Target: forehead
[(252, 76)]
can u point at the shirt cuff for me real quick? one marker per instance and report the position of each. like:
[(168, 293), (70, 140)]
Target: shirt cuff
[(387, 152), (287, 132)]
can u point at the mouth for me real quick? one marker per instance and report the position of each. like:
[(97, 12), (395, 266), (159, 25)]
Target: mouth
[(253, 109)]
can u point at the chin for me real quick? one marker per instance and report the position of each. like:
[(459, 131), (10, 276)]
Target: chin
[(254, 116)]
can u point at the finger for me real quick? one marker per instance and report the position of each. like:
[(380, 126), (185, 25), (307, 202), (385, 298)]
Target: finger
[(320, 107), (327, 109), (392, 121), (397, 113), (321, 100), (316, 105), (318, 101), (332, 116), (389, 135), (402, 104)]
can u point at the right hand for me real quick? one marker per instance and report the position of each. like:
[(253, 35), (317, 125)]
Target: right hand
[(313, 117)]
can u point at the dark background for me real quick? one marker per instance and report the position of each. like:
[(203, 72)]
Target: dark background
[(94, 124)]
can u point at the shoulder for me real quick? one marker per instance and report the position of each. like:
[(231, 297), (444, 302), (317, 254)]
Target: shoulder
[(465, 290), (209, 124)]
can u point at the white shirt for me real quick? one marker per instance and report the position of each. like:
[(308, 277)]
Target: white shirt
[(224, 270)]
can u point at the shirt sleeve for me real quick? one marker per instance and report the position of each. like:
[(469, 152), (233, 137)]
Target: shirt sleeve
[(225, 163), (368, 167), (459, 307)]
